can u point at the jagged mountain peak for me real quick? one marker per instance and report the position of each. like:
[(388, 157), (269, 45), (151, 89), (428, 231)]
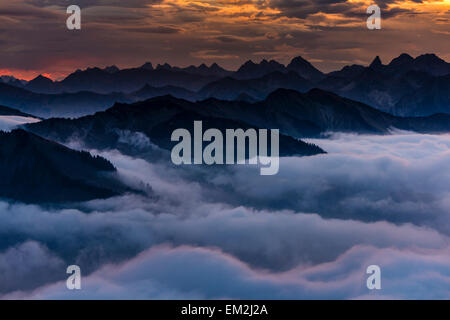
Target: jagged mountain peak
[(299, 60), (111, 69), (376, 63), (41, 78), (164, 66), (305, 69), (147, 66), (401, 59)]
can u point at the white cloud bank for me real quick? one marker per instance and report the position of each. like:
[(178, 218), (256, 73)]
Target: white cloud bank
[(232, 233)]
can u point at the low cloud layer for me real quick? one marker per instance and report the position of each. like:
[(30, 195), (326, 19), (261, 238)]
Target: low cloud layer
[(308, 232), (197, 273)]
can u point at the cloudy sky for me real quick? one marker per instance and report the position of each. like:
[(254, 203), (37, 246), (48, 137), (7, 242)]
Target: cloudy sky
[(329, 33)]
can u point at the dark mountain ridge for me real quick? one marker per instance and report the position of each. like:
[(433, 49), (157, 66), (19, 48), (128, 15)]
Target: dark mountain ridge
[(318, 111), (36, 170), (104, 81), (400, 87), (152, 118), (7, 111), (231, 89), (66, 104), (296, 114), (387, 87)]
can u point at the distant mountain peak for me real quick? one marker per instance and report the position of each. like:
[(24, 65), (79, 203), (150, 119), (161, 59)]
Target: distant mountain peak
[(41, 78), (40, 82), (282, 92), (376, 63), (216, 67), (164, 66), (111, 69), (305, 69), (300, 60), (248, 63), (429, 57), (401, 59), (147, 66), (251, 70), (12, 81)]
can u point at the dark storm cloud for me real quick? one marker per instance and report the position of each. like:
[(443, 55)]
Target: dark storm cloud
[(228, 39), (158, 29), (304, 8)]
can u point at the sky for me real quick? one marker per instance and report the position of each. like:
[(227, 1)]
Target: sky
[(329, 33)]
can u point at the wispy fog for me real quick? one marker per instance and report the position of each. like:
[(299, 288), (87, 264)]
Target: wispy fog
[(8, 123)]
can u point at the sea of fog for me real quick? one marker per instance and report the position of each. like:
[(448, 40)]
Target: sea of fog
[(308, 232)]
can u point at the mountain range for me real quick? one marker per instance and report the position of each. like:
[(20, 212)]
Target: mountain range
[(296, 114), (7, 111), (389, 87), (406, 86), (150, 123), (135, 111)]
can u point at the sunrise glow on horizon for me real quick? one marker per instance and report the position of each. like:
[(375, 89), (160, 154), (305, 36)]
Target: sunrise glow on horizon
[(329, 34)]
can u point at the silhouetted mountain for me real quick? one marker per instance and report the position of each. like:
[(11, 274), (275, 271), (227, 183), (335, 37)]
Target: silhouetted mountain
[(65, 105), (433, 97), (148, 92), (376, 64), (295, 114), (305, 69), (13, 81), (153, 119), (36, 170), (42, 84), (147, 66), (369, 86), (347, 72), (6, 111), (431, 64), (317, 112), (111, 69), (113, 80), (428, 63), (214, 70), (383, 86), (400, 64), (331, 112), (230, 88), (164, 66), (251, 70)]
